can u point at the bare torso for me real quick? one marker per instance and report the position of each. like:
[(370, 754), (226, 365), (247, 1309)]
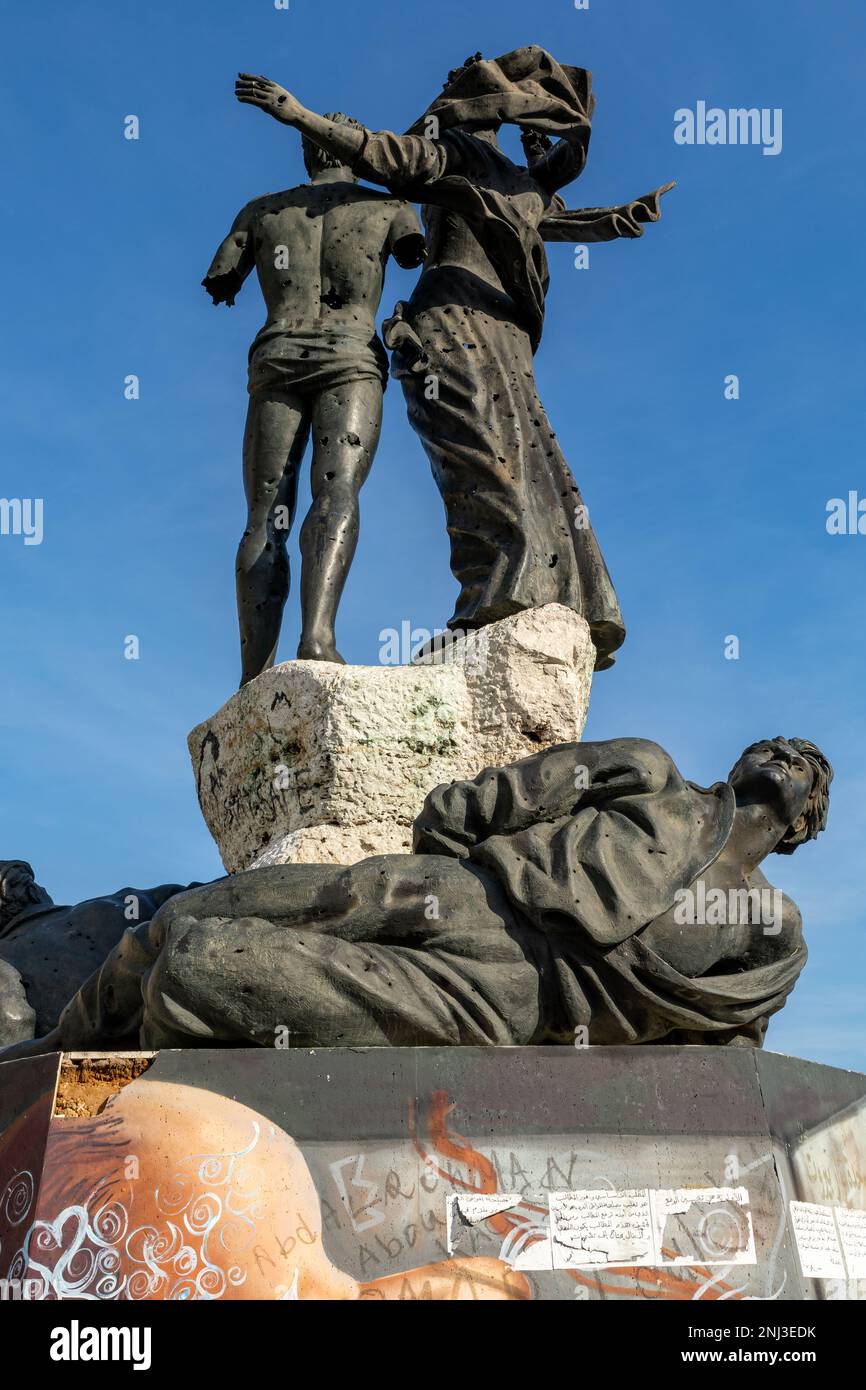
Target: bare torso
[(306, 243)]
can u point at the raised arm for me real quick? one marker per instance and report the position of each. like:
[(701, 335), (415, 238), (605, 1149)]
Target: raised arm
[(232, 263), (396, 161), (343, 141)]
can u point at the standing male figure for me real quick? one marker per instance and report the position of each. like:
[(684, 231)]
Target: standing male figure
[(317, 366)]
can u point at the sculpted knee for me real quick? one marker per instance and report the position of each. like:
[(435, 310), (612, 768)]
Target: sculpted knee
[(204, 981), (252, 543), (181, 940), (175, 988)]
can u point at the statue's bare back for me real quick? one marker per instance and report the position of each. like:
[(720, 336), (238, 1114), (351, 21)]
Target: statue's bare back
[(305, 245)]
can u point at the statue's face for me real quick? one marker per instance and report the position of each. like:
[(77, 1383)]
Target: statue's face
[(775, 772)]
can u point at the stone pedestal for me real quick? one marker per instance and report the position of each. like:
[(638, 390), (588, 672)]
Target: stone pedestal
[(319, 763), (434, 1173)]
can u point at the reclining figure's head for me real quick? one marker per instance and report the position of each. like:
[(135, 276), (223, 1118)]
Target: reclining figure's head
[(793, 776)]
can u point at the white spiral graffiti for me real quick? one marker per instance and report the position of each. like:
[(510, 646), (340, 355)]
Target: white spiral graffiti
[(92, 1251)]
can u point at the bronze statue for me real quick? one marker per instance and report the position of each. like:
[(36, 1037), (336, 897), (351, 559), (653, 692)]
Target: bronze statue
[(48, 950), (316, 367), (564, 898), (464, 343)]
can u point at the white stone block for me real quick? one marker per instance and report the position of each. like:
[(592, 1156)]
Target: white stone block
[(319, 763)]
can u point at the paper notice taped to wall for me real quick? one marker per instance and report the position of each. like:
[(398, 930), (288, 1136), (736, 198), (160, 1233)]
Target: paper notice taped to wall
[(851, 1226), (645, 1227), (703, 1225), (606, 1228), (467, 1210), (817, 1239), (598, 1228), (831, 1241)]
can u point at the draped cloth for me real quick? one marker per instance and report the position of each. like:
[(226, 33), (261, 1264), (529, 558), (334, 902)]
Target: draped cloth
[(543, 895), (519, 528), (306, 361), (526, 87), (591, 870), (529, 88)]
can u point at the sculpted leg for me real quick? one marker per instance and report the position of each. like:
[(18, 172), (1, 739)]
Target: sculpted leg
[(323, 955), (274, 442), (250, 981), (346, 426), (318, 955)]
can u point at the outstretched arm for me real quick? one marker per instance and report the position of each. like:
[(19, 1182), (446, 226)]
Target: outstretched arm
[(399, 162), (602, 224), (343, 142)]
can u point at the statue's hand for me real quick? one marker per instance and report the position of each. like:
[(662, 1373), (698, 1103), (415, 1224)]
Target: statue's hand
[(262, 92)]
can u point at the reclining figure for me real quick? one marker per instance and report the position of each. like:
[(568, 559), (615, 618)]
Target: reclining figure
[(587, 893)]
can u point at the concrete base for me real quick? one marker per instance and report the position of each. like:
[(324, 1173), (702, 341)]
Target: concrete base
[(425, 1173)]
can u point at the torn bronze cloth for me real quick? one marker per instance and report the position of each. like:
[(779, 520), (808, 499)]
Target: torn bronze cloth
[(464, 343), (439, 162), (522, 916), (308, 360)]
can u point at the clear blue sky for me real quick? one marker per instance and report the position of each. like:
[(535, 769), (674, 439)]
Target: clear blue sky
[(711, 512)]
